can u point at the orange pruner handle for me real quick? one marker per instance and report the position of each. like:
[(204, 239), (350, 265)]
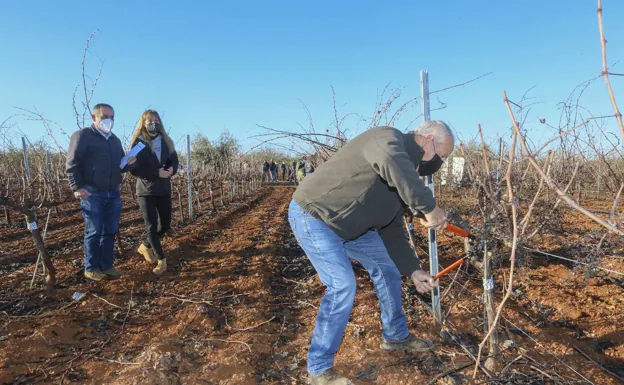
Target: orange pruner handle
[(457, 230), (444, 272)]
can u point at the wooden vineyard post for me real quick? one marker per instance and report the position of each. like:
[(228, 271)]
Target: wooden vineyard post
[(222, 194), (50, 272), (31, 221), (493, 362), (7, 215), (212, 202), (60, 189), (198, 199), (433, 243), (499, 168), (45, 232)]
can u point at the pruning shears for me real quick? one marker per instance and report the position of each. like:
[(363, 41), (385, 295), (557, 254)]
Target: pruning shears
[(456, 230)]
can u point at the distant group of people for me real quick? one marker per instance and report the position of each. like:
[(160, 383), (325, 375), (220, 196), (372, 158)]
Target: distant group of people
[(297, 170), (271, 171), (95, 164)]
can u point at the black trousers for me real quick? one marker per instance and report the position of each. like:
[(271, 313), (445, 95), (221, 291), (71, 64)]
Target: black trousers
[(156, 212)]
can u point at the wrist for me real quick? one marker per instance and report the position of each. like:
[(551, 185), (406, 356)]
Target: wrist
[(416, 272)]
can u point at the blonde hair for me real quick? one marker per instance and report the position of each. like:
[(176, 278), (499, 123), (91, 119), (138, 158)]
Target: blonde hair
[(141, 130)]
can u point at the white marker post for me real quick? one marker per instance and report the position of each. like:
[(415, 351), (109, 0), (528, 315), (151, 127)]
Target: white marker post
[(433, 242), (188, 175)]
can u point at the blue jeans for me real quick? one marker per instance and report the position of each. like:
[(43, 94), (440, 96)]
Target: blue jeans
[(101, 212), (330, 255)]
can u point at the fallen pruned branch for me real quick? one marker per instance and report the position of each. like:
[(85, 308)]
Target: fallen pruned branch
[(105, 301), (249, 328), (228, 342)]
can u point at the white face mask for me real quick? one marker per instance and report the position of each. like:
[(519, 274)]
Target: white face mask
[(106, 125)]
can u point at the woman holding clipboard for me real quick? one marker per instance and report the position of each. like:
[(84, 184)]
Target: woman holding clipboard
[(156, 164)]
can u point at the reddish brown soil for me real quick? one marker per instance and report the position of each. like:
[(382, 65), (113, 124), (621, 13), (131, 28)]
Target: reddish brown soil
[(238, 304)]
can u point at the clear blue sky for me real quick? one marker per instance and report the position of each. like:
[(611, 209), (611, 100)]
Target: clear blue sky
[(231, 65)]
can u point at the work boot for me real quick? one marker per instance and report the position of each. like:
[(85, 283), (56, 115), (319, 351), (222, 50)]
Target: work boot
[(147, 253), (113, 273), (328, 377), (161, 267), (411, 343), (95, 275)]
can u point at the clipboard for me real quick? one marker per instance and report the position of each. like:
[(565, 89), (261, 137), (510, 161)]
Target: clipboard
[(133, 152)]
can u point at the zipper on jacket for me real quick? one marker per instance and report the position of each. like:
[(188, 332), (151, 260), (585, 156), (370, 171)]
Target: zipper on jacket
[(110, 175)]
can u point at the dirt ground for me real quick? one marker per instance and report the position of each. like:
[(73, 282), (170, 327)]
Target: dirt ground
[(239, 301)]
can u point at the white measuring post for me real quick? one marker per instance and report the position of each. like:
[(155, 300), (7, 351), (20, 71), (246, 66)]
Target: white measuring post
[(48, 163), (433, 241), (189, 176)]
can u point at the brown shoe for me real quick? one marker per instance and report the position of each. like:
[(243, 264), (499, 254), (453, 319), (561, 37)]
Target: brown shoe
[(147, 253), (411, 343), (328, 377), (161, 267), (95, 275), (113, 273)]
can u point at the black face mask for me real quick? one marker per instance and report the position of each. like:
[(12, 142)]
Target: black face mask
[(431, 166), (153, 129)]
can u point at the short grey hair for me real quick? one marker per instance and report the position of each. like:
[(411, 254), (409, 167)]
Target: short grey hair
[(438, 128)]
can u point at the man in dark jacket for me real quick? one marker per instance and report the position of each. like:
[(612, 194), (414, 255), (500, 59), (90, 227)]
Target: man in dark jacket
[(94, 171), (283, 171), (265, 170), (352, 207), (274, 170)]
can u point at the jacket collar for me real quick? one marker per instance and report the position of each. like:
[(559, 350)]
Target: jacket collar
[(100, 133), (414, 151)]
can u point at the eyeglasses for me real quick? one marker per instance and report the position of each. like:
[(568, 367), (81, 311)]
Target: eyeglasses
[(444, 158)]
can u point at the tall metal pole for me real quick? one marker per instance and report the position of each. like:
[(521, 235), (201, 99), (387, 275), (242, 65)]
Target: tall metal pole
[(189, 176), (433, 241)]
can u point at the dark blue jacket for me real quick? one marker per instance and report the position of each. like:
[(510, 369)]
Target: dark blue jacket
[(147, 170), (94, 160)]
